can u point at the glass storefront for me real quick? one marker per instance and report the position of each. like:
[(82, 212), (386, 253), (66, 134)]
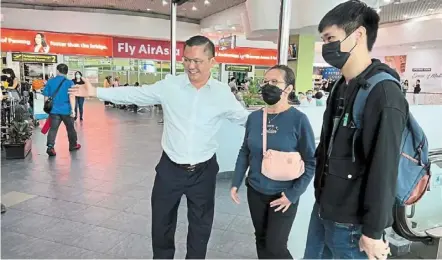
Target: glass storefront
[(129, 71)]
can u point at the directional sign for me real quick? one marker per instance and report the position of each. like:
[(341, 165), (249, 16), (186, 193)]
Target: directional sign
[(38, 58)]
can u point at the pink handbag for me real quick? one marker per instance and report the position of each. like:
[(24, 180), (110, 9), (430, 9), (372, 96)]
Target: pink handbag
[(276, 165)]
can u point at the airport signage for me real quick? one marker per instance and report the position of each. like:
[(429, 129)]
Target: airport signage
[(145, 49), (33, 57), (55, 43)]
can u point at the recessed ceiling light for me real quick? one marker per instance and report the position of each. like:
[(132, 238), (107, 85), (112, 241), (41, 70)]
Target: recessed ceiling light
[(413, 47), (430, 9), (405, 16), (233, 28), (206, 2), (148, 9), (164, 2), (194, 8), (387, 1)]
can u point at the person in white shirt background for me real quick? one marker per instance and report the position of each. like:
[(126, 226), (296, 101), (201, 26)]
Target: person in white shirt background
[(308, 101), (194, 106)]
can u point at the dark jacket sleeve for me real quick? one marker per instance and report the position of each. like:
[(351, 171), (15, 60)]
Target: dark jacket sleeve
[(306, 148), (385, 117), (242, 162)]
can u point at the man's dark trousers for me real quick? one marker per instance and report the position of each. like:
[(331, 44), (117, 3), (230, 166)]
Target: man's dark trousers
[(171, 182), (70, 128)]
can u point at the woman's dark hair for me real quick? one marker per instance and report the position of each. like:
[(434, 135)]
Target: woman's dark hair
[(43, 40), (289, 75), (78, 72), (137, 84)]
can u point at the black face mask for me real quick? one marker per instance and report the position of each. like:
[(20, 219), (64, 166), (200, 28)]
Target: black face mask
[(332, 54), (271, 94)]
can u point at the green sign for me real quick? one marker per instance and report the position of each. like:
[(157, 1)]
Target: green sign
[(30, 57), (238, 68)]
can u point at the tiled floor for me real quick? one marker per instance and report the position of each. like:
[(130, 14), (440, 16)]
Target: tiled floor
[(95, 203)]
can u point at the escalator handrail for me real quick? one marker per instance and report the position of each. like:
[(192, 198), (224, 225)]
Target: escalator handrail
[(401, 223)]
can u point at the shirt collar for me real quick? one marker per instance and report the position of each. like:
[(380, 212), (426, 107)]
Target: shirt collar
[(208, 84)]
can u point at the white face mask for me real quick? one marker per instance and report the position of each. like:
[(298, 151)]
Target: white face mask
[(78, 76)]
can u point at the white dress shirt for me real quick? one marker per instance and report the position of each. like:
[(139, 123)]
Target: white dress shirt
[(192, 116)]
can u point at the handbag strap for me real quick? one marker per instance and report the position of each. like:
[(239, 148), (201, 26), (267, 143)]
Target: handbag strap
[(264, 130), (58, 88)]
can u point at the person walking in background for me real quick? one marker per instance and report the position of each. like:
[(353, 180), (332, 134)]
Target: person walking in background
[(417, 89), (357, 167), (195, 105), (63, 109), (273, 203), (79, 101), (107, 83)]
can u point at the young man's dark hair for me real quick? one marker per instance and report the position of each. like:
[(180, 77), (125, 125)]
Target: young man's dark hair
[(357, 14), (358, 155), (200, 40)]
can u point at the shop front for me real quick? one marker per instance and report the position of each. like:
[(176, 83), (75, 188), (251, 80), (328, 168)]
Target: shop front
[(34, 55), (244, 62)]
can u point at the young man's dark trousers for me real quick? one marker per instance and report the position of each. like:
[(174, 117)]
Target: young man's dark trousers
[(171, 183), (327, 239), (68, 121), (272, 229)]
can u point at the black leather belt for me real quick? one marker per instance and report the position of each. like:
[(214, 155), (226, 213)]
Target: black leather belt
[(188, 167), (191, 167)]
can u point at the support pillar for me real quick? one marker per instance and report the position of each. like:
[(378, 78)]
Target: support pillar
[(284, 31), (173, 6), (303, 65)]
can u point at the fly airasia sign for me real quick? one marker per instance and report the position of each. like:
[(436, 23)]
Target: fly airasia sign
[(145, 49)]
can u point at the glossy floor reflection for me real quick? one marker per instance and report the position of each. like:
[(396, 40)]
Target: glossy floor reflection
[(95, 203)]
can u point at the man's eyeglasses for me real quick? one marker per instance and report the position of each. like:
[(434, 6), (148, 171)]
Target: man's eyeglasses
[(189, 61)]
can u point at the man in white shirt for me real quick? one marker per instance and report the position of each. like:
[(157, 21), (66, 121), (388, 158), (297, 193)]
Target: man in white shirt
[(194, 107)]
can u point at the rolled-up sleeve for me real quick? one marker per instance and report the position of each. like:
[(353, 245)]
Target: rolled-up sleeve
[(236, 112), (141, 96)]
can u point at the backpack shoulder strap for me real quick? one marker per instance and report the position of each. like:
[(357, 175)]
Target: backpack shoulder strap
[(58, 88), (362, 95)]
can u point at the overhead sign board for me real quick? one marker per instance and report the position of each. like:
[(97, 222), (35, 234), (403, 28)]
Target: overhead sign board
[(30, 57), (238, 68)]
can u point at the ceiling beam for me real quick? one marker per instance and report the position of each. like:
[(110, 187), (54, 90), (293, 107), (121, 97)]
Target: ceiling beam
[(7, 4)]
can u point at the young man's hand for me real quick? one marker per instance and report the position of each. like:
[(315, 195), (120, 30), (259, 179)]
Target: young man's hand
[(374, 248)]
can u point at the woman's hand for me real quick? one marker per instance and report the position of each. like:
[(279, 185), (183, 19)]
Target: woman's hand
[(234, 195), (282, 203)]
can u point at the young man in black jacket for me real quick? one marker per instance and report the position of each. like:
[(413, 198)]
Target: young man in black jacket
[(356, 175)]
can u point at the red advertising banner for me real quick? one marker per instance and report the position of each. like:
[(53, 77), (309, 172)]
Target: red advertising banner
[(249, 56), (145, 49), (55, 43)]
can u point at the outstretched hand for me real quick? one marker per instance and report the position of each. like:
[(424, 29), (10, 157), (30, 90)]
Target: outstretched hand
[(85, 90)]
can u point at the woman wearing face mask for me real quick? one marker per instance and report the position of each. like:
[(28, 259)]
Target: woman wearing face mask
[(273, 203), (79, 100)]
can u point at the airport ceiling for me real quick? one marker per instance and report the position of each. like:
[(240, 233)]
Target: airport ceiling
[(195, 10)]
